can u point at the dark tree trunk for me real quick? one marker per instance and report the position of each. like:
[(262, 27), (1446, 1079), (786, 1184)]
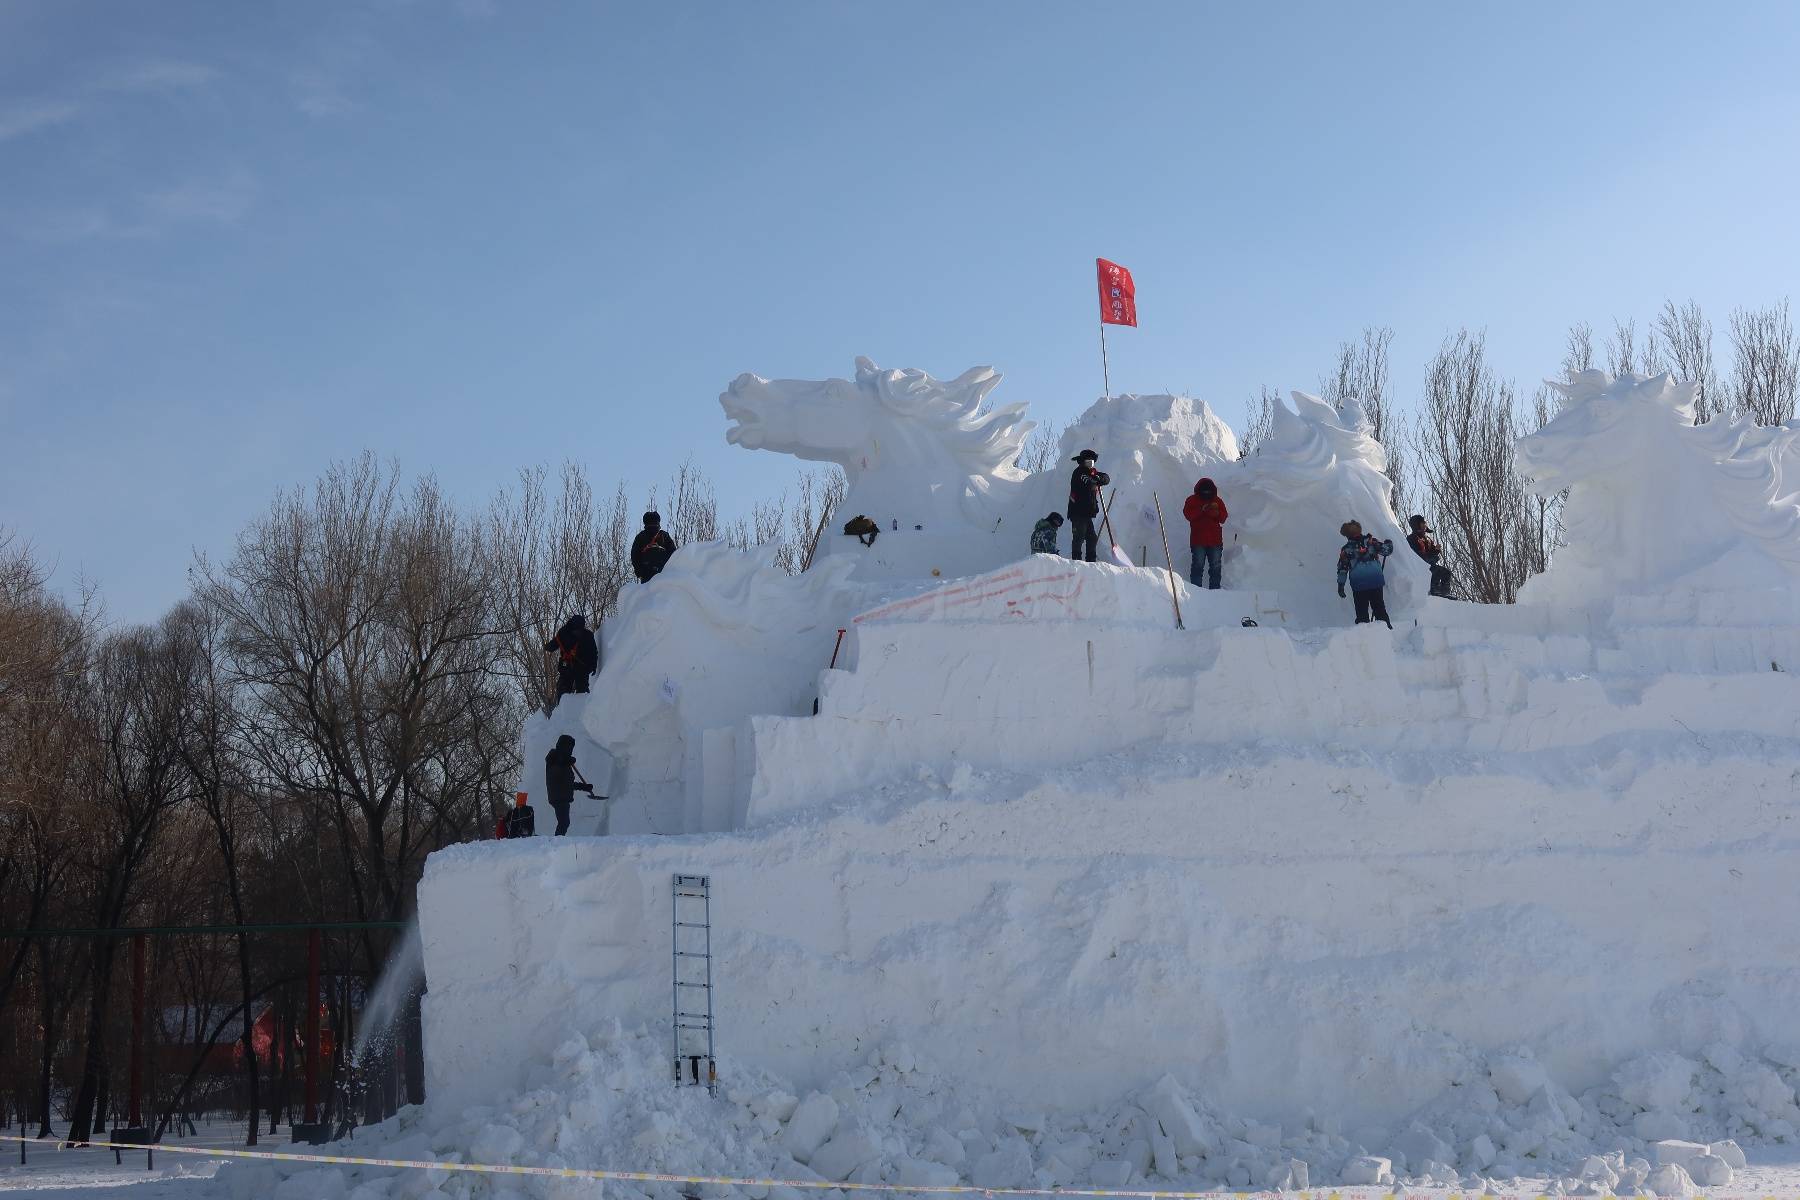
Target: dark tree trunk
[(93, 1066), (414, 1024)]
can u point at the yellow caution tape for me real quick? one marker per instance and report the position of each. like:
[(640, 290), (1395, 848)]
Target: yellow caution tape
[(954, 1189)]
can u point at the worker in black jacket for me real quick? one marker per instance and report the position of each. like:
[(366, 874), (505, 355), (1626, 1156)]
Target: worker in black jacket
[(577, 655), (561, 781), (519, 821), (651, 549), (1084, 504)]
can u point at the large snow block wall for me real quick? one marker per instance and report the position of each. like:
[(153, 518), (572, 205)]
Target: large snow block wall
[(1302, 871)]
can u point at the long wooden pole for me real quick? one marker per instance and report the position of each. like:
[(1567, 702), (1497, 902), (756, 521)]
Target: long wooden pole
[(1174, 597), (1106, 516), (813, 546), (1105, 373)]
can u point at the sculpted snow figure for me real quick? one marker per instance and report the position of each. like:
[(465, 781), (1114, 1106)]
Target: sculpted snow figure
[(1654, 498), (722, 635), (914, 449), (1317, 469)]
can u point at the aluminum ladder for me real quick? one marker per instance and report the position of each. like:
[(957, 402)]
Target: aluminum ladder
[(691, 914)]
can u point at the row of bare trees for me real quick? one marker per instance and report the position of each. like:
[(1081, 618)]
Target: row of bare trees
[(1451, 457), (335, 698)]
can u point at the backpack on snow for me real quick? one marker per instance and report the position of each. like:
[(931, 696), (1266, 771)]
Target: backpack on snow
[(862, 529)]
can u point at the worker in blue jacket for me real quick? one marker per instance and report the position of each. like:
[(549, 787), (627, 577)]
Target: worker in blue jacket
[(1360, 563)]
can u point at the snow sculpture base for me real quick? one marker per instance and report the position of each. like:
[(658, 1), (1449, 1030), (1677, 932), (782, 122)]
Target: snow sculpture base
[(1319, 870)]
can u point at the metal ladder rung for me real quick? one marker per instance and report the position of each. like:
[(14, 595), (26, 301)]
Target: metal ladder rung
[(696, 890)]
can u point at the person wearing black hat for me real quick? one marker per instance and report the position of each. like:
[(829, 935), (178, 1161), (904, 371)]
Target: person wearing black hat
[(651, 549), (1084, 505), (1427, 548), (562, 781), (577, 655)]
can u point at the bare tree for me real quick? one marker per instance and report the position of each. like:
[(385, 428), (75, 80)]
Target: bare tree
[(820, 493), (1626, 353), (1361, 374), (1765, 369), (690, 506), (1578, 349), (1262, 419), (196, 679), (1039, 452), (1463, 450), (1689, 338), (358, 622), (550, 556), (1542, 531), (134, 783)]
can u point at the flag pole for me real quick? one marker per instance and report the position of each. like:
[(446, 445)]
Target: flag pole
[(1105, 374)]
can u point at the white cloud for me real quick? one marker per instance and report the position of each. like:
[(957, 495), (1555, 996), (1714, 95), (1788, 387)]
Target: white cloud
[(155, 75), (30, 116), (321, 93), (39, 113), (221, 200)]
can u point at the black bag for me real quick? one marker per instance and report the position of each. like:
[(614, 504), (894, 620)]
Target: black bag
[(862, 529)]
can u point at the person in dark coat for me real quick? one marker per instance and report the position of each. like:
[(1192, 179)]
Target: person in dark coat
[(520, 820), (651, 548), (577, 655), (1043, 534), (1084, 505), (1360, 564), (562, 781), (1427, 548)]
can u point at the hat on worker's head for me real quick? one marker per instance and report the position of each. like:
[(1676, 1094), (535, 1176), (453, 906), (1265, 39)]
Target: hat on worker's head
[(1056, 518), (1085, 454), (1417, 521)]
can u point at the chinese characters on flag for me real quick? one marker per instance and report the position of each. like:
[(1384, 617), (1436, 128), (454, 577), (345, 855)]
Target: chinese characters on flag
[(1118, 295)]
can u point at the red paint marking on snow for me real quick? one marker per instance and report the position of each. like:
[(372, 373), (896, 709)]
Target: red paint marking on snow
[(965, 594), (956, 591)]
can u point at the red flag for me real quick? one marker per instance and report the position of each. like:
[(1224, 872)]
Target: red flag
[(1118, 295)]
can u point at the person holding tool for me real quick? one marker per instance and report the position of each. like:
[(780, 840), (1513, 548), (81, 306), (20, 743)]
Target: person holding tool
[(1084, 505), (562, 781)]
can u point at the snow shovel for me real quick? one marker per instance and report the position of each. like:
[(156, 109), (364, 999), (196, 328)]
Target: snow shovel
[(1118, 553)]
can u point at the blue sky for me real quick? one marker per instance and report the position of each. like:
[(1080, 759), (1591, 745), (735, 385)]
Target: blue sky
[(240, 240)]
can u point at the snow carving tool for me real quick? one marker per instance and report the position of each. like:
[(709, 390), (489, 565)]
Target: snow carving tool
[(833, 665), (1119, 555), (1174, 598)]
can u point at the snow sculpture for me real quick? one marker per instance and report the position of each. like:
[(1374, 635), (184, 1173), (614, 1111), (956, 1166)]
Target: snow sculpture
[(1654, 497), (938, 476), (914, 449), (719, 635), (1148, 444), (1317, 469)]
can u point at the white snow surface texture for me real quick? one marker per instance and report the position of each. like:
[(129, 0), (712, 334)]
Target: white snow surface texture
[(1049, 891)]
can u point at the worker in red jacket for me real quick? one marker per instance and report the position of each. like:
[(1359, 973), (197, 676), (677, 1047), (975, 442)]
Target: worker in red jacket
[(1206, 515)]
